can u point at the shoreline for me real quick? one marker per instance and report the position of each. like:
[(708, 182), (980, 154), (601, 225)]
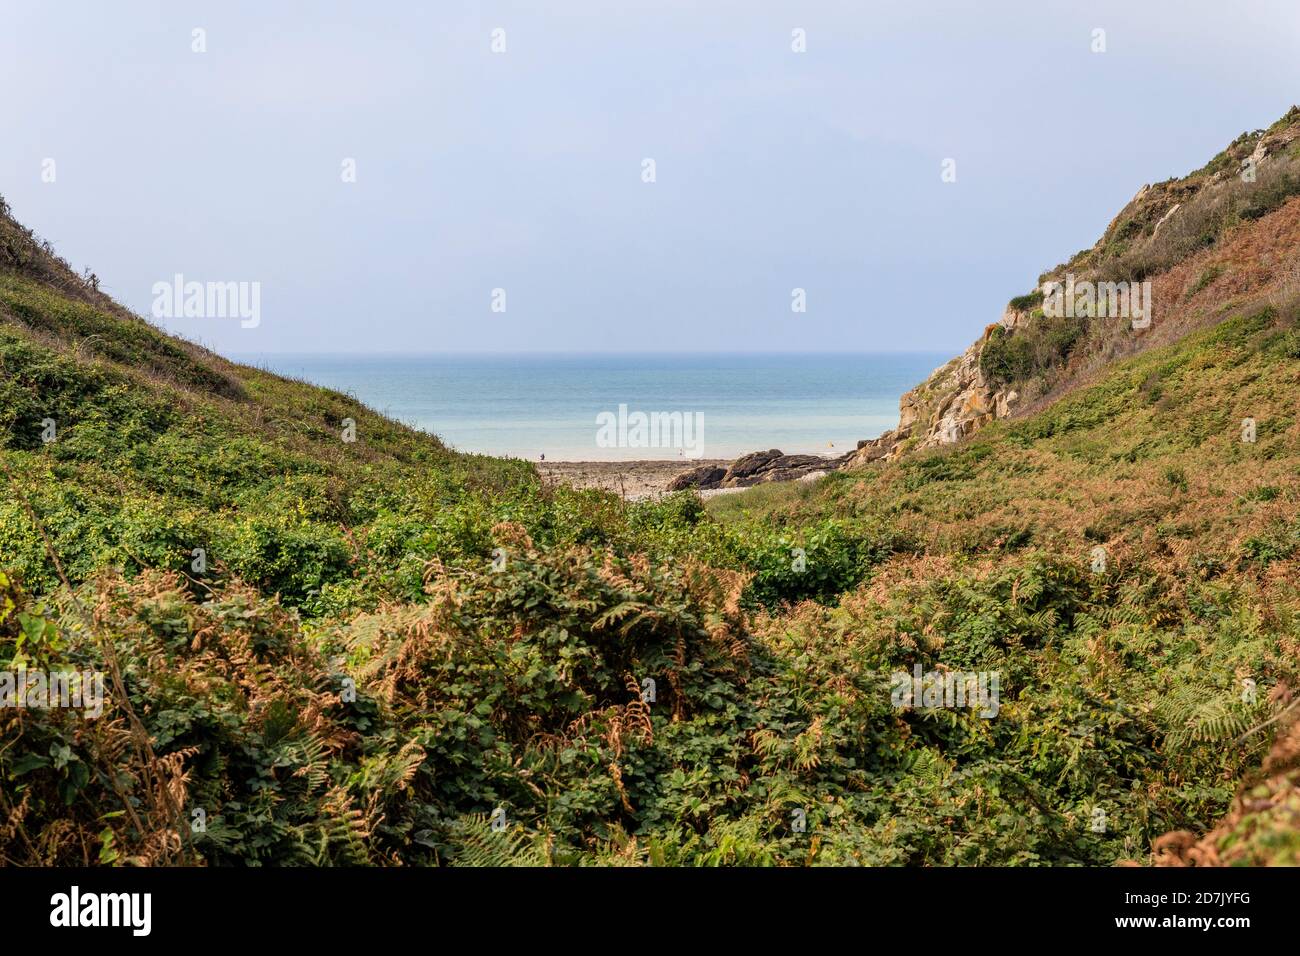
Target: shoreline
[(634, 480)]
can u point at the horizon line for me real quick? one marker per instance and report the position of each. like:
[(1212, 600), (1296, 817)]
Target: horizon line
[(620, 352)]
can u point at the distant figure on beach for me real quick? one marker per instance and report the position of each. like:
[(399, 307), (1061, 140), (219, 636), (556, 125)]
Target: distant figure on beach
[(543, 456)]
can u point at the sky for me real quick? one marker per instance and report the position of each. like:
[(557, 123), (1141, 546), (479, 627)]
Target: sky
[(524, 169)]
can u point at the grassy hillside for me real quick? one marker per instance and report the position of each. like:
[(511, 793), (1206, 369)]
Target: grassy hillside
[(393, 646), (1128, 684), (1206, 241)]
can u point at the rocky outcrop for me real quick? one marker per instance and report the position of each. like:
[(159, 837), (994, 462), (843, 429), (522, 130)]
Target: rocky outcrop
[(949, 405), (756, 468), (705, 476), (955, 401)]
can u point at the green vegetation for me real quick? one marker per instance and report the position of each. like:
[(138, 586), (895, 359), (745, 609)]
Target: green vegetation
[(1028, 302), (1206, 278), (385, 652), (1013, 356), (1174, 219), (1204, 221)]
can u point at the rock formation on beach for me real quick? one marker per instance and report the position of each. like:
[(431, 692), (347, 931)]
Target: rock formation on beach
[(949, 405), (756, 468), (954, 402)]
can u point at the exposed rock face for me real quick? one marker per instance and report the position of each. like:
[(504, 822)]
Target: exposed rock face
[(705, 476), (748, 466), (952, 403), (949, 405)]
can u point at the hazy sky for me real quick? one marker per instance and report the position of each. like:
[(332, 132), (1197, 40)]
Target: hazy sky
[(522, 170)]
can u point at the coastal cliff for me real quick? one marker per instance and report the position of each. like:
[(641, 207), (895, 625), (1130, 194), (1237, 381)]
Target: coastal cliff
[(1164, 226), (1194, 246)]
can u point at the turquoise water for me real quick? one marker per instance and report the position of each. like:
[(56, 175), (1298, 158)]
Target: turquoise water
[(541, 403)]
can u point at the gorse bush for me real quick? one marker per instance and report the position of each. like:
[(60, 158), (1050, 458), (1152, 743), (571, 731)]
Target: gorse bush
[(1015, 355), (1027, 302), (1006, 357)]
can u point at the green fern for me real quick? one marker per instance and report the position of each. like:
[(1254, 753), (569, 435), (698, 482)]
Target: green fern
[(475, 843), (1198, 714)]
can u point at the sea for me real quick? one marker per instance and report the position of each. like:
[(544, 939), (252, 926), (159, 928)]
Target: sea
[(625, 406)]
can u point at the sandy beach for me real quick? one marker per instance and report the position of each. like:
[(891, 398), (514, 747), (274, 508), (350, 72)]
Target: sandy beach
[(634, 480)]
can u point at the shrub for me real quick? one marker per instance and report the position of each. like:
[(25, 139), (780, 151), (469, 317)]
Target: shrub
[(1027, 302)]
